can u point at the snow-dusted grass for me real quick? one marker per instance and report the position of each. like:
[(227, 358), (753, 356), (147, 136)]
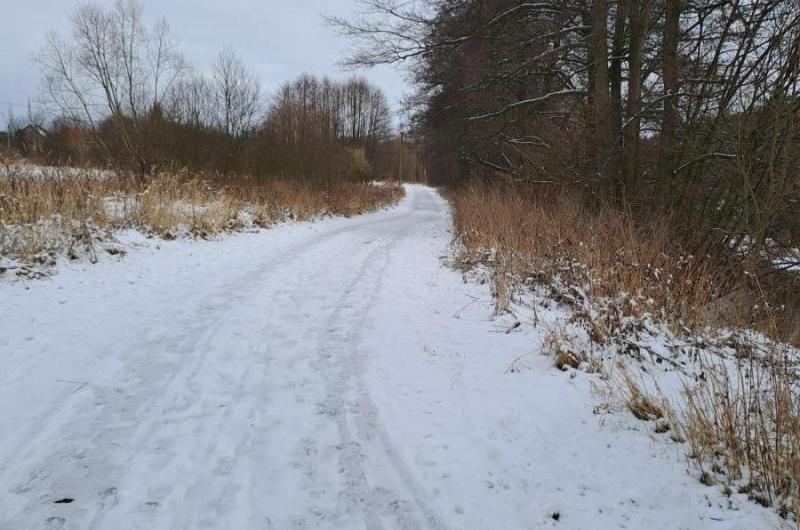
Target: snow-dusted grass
[(43, 219), (630, 305)]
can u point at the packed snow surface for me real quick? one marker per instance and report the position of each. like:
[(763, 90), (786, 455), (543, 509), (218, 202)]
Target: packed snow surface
[(333, 374)]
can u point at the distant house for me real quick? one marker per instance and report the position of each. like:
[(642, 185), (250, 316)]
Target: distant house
[(31, 138)]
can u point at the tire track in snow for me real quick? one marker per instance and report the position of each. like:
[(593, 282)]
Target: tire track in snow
[(53, 420), (104, 441), (363, 441), (185, 342), (180, 390)]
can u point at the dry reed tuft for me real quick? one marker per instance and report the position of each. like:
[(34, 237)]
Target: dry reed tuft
[(742, 422), (559, 345)]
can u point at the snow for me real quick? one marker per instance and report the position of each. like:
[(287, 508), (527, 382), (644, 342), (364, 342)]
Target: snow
[(333, 374), (785, 259), (24, 169), (776, 254)]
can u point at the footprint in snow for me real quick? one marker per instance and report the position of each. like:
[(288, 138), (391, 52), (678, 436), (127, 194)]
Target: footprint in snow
[(55, 523), (109, 497)]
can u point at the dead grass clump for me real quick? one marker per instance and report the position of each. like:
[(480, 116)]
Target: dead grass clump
[(641, 404), (308, 199), (622, 388), (553, 236), (564, 359), (744, 422), (563, 351)]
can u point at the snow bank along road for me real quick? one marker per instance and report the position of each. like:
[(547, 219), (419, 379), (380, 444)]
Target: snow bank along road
[(322, 375)]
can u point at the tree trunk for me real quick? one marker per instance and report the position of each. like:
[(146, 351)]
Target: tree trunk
[(639, 18), (600, 88), (670, 120), (615, 78)]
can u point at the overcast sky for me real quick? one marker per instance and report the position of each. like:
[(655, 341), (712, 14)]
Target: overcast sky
[(278, 39)]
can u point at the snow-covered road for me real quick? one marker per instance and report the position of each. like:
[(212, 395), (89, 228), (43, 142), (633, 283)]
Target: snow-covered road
[(321, 375)]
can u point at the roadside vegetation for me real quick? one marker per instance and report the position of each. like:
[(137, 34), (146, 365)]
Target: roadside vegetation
[(74, 214), (608, 251), (695, 345)]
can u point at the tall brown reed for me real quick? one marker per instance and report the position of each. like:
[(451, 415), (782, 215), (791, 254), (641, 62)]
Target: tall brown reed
[(48, 212)]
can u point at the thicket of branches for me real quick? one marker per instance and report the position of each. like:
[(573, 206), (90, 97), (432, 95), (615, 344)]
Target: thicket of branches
[(124, 95), (683, 106)]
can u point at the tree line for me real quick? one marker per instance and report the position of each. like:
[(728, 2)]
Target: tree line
[(123, 94), (683, 106)]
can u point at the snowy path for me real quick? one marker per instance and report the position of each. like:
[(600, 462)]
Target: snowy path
[(323, 375)]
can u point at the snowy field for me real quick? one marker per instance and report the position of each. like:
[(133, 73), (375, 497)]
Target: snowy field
[(333, 374)]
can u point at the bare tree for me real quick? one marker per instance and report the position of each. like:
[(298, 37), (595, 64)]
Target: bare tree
[(239, 93), (671, 74), (110, 67), (191, 100), (165, 61), (638, 23), (599, 84), (329, 126)]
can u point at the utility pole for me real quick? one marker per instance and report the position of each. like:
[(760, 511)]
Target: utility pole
[(414, 160), (400, 176), (9, 126)]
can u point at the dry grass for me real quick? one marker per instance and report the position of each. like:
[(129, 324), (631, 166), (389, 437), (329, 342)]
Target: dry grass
[(528, 235), (560, 346), (606, 251), (743, 426), (639, 402), (740, 412), (42, 216)]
